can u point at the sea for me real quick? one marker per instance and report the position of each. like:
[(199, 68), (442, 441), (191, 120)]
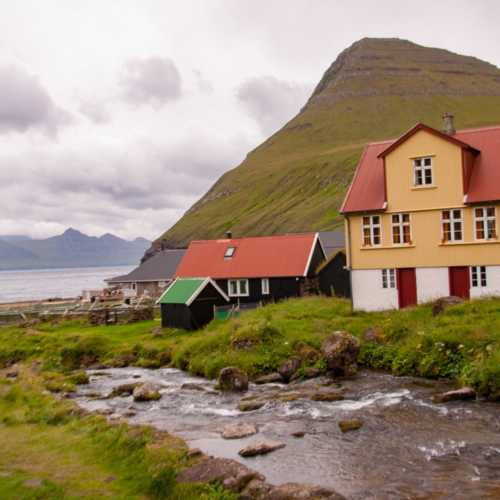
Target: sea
[(35, 284)]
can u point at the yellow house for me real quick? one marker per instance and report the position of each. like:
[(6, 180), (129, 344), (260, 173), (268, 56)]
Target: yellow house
[(421, 218)]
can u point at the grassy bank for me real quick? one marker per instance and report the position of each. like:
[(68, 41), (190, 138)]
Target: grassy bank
[(51, 450), (463, 343)]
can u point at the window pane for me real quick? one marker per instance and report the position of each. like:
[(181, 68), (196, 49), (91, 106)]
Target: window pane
[(395, 219), (491, 229), (418, 177), (418, 163), (479, 212), (233, 288), (376, 219), (366, 221), (396, 235), (406, 217), (491, 211), (384, 278), (479, 230), (457, 214), (446, 214), (406, 234), (427, 162), (243, 287)]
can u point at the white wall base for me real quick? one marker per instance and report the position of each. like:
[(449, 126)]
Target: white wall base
[(368, 294), (432, 283)]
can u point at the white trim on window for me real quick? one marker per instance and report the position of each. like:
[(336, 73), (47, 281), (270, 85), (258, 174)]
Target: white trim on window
[(238, 288), (388, 278), (265, 286), (398, 224), (371, 230), (478, 277), (485, 223), (423, 174), (452, 225)]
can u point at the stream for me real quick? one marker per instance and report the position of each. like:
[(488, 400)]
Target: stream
[(408, 446)]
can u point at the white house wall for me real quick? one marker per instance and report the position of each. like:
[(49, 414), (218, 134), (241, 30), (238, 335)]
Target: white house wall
[(368, 294), (432, 283), (493, 282)]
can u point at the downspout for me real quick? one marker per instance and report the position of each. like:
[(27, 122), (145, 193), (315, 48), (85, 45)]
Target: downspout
[(348, 256)]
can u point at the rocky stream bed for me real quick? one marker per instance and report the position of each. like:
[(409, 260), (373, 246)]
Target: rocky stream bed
[(403, 445)]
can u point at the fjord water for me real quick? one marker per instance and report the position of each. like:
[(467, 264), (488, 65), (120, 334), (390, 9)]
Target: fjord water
[(36, 284), (408, 446)]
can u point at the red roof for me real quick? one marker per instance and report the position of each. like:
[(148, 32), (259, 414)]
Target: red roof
[(260, 257), (367, 191)]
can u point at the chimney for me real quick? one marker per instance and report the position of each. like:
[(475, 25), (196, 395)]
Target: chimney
[(449, 126), (229, 235)]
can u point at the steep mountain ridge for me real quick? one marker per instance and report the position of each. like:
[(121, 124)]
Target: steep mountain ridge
[(376, 89)]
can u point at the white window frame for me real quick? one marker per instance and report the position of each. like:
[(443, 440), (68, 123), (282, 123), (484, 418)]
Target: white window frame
[(478, 277), (388, 278), (401, 225), (372, 226), (229, 253), (238, 288), (265, 286), (420, 171), (485, 219), (452, 221)]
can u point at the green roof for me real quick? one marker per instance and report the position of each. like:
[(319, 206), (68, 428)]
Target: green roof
[(181, 290)]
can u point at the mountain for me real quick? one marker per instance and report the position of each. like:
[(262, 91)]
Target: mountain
[(376, 89), (70, 249)]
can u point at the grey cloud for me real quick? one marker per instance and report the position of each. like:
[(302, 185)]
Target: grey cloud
[(26, 104), (95, 111), (272, 102), (152, 80)]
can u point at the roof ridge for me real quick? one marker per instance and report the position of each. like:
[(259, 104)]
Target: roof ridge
[(478, 129), (271, 236)]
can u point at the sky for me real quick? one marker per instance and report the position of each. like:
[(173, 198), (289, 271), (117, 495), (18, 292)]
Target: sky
[(117, 115)]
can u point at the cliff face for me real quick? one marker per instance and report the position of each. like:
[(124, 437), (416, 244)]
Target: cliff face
[(375, 89)]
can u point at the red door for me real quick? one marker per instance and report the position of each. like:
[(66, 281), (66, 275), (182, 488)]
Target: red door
[(459, 282), (407, 287)]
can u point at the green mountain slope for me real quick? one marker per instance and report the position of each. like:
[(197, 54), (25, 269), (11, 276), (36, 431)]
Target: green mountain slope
[(376, 89)]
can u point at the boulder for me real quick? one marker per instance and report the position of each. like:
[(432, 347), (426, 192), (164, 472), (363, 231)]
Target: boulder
[(457, 395), (307, 373), (307, 353), (340, 351), (255, 489), (260, 448), (327, 396), (272, 378), (238, 431), (350, 425), (146, 392), (444, 303), (124, 390), (374, 335), (233, 379), (294, 491), (251, 405), (289, 367), (194, 452)]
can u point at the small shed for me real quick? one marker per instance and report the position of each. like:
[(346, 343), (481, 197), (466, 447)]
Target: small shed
[(333, 277), (189, 303)]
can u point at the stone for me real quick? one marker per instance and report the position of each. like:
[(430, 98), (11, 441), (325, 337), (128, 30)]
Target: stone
[(327, 396), (124, 390), (12, 373), (272, 378), (462, 394), (146, 392), (129, 413), (194, 452), (294, 491), (250, 405), (308, 353), (374, 335), (289, 367), (298, 434), (307, 373), (232, 474), (444, 303), (260, 448), (233, 379), (350, 425), (238, 431), (255, 489), (340, 351), (191, 386)]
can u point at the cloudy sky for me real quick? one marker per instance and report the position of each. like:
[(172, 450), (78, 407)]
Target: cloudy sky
[(116, 115)]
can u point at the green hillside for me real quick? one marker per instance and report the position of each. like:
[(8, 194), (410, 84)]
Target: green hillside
[(376, 89)]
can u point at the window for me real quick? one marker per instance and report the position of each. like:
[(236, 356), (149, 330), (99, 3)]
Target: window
[(238, 288), (229, 252), (371, 230), (485, 223), (388, 278), (452, 224), (422, 168), (265, 286), (401, 229), (478, 276)]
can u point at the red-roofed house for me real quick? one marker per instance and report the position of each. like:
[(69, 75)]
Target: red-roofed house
[(255, 269), (421, 218)]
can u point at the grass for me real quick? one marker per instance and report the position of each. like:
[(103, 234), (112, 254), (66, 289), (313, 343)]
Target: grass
[(50, 450)]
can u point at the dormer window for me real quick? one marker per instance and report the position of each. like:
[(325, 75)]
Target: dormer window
[(422, 168), (229, 252)]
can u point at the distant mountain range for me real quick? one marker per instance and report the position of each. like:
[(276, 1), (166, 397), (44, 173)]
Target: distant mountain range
[(70, 249)]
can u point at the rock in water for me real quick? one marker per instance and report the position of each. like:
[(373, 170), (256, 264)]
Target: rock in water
[(233, 379), (269, 379), (341, 350), (124, 390), (288, 368), (261, 448), (250, 405), (458, 395), (146, 392), (238, 431), (293, 491), (350, 425), (327, 396)]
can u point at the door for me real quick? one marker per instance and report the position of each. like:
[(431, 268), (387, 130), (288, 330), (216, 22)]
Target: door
[(459, 282), (407, 287)]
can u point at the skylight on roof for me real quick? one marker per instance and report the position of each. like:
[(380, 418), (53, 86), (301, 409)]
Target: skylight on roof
[(229, 252)]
